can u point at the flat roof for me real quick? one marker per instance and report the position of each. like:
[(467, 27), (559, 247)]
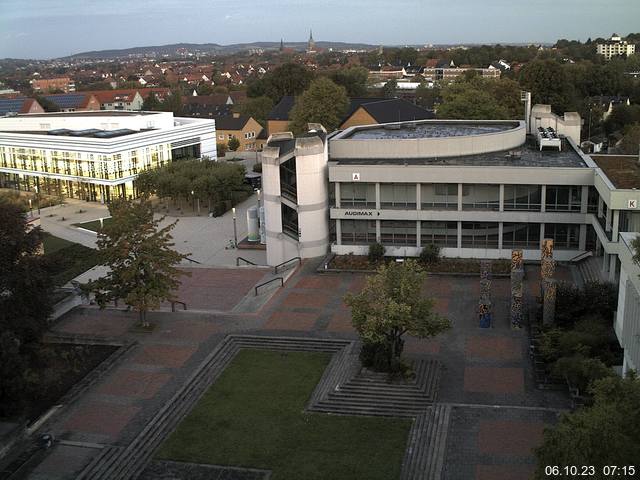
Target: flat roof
[(90, 113), (430, 129), (528, 155), (622, 170), (87, 133)]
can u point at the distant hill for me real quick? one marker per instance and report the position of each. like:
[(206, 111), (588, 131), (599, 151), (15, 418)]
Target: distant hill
[(212, 48)]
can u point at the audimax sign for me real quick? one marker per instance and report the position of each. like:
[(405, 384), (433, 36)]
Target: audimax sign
[(360, 213)]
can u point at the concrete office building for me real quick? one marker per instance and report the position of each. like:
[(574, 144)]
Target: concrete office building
[(477, 189), (615, 47), (95, 155)]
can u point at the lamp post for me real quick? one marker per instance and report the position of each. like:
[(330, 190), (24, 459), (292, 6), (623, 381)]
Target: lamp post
[(193, 203), (30, 208), (38, 197), (235, 229), (101, 223)]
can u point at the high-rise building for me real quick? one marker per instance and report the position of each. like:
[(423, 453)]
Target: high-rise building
[(614, 47)]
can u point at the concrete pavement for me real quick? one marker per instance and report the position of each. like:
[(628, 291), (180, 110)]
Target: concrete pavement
[(205, 239)]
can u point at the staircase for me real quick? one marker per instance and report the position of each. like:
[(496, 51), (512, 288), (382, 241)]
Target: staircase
[(424, 457), (590, 269), (371, 393), (119, 463)]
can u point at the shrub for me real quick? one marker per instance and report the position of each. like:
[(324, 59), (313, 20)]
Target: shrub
[(375, 356), (233, 144), (221, 148), (376, 252), (430, 254), (257, 168), (573, 303), (580, 371)]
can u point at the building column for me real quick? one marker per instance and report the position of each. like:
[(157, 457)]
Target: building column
[(500, 230), (418, 239), (418, 197), (607, 221), (459, 234), (541, 234), (378, 232), (377, 196), (582, 238), (338, 232), (613, 263), (615, 225), (459, 197), (501, 204), (337, 193), (584, 199), (600, 205), (543, 198), (605, 262)]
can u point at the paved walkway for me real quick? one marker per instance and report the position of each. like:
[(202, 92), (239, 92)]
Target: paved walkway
[(496, 413), (205, 239)]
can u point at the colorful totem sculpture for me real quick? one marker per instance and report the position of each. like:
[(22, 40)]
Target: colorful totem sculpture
[(484, 306), (517, 290), (548, 285)]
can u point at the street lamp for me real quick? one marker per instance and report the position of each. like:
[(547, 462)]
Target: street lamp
[(235, 229), (38, 197), (193, 203)]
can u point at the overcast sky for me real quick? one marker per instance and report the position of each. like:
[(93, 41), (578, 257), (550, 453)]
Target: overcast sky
[(54, 28)]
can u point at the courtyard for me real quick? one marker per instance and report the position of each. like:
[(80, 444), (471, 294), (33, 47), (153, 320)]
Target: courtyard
[(495, 414)]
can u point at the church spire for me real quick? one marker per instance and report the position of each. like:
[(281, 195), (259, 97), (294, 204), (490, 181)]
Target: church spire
[(311, 46), (281, 44)]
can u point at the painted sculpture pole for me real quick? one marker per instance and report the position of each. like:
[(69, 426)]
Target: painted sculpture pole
[(484, 306), (548, 285), (517, 277)]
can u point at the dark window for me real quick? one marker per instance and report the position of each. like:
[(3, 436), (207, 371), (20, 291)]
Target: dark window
[(443, 234), (521, 235), (479, 235), (358, 232), (398, 232)]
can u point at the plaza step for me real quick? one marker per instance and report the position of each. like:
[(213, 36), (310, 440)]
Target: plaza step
[(424, 458), (590, 269), (130, 461)]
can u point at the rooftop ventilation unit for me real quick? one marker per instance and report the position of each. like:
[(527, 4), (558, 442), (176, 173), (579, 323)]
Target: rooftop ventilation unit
[(547, 137)]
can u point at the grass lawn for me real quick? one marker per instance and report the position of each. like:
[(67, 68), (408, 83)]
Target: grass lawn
[(93, 225), (253, 416), (67, 260)]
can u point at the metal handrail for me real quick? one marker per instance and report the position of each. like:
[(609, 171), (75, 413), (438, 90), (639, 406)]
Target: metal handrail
[(581, 256), (244, 260), (275, 269), (192, 260), (173, 305), (268, 282)]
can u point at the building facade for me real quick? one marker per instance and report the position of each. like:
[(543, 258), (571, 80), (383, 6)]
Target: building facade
[(615, 47), (46, 85), (96, 156), (477, 189)]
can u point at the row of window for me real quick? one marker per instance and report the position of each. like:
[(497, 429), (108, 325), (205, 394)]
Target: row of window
[(107, 167), (445, 234), (474, 197)]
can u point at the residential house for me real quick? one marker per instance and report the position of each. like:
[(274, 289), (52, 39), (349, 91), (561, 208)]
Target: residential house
[(242, 127), (19, 105), (47, 85), (119, 99), (74, 102)]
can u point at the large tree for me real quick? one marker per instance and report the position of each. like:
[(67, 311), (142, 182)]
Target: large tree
[(287, 79), (606, 433), (258, 108), (391, 305), (467, 100), (140, 256), (548, 83), (25, 300), (630, 144), (323, 102), (353, 79)]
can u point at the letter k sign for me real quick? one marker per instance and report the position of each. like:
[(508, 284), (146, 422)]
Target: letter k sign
[(632, 204)]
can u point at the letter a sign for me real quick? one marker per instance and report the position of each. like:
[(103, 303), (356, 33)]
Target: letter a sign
[(632, 204), (355, 177)]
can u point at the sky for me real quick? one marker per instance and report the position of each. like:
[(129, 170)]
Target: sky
[(54, 28)]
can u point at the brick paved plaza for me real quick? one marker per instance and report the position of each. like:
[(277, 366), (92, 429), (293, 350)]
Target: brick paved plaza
[(497, 414)]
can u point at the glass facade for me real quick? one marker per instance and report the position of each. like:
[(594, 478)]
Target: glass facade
[(74, 174), (481, 197), (565, 236), (358, 195), (398, 195), (398, 232), (563, 198), (521, 235), (443, 234), (479, 235), (358, 232), (439, 196), (523, 197)]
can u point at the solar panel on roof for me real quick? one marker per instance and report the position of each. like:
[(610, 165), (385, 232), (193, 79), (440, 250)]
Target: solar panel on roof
[(68, 100), (11, 105)]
